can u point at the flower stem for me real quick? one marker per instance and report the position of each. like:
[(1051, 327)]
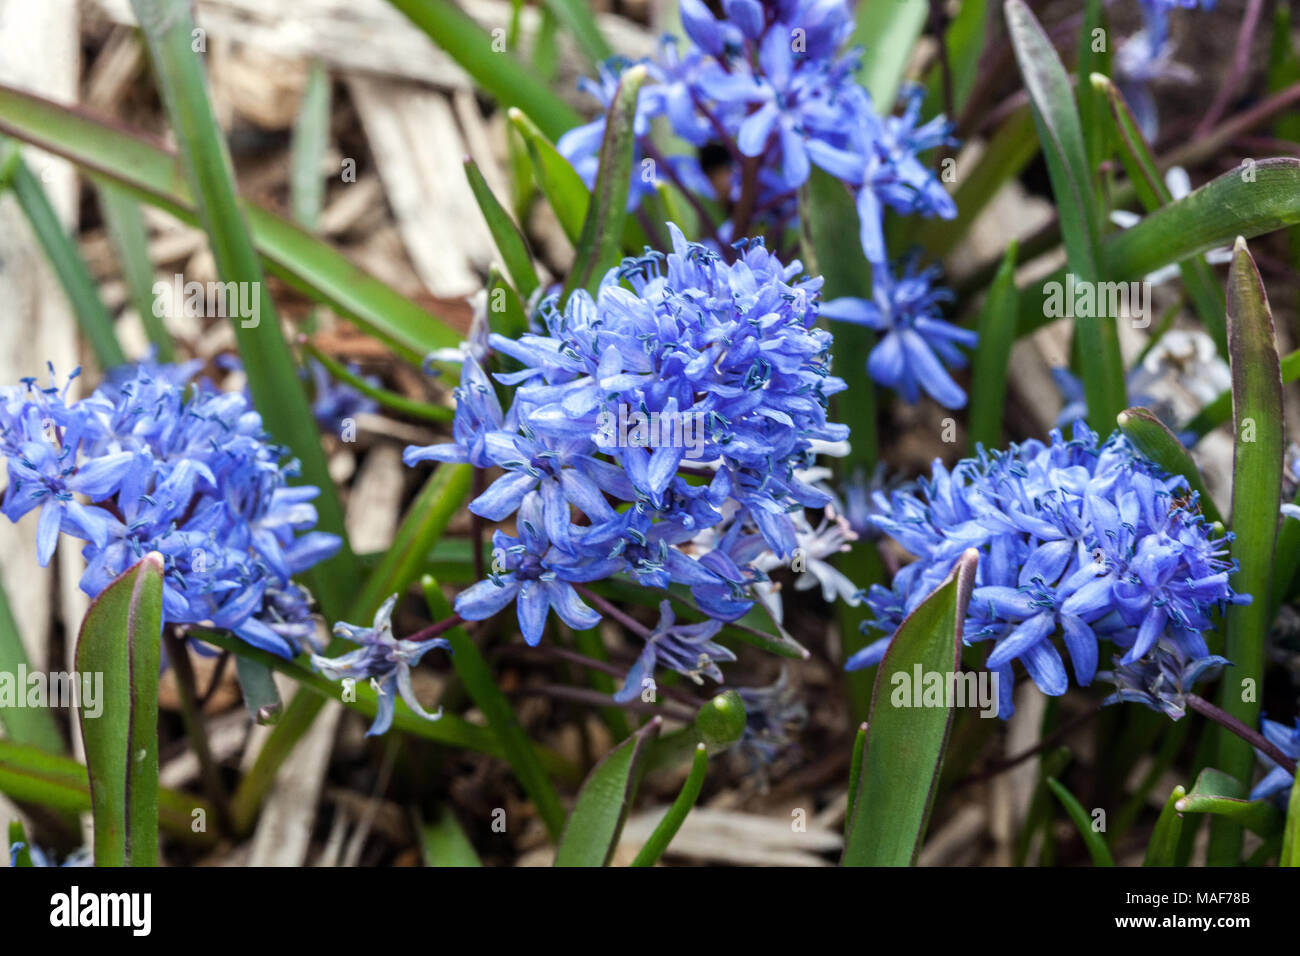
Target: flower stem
[(1251, 736), (609, 610), (178, 656), (436, 628)]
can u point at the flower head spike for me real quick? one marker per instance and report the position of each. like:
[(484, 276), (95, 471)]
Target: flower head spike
[(383, 659)]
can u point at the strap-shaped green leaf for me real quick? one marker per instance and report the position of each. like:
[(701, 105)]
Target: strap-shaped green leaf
[(509, 240), (1256, 498), (1291, 834), (888, 31), (555, 175), (153, 174), (511, 83), (600, 244), (997, 334), (1092, 839), (905, 744), (592, 830), (1150, 436), (1223, 796), (120, 643), (672, 822), (1162, 848), (1051, 97)]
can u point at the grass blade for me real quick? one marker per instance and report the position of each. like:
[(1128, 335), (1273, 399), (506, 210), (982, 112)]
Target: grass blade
[(1057, 120), (997, 333), (600, 244), (154, 175), (509, 82), (130, 240), (1151, 190), (1223, 796), (476, 675), (120, 638), (60, 249), (576, 17), (672, 822), (1093, 840), (1163, 846), (444, 843), (24, 725), (311, 135), (591, 832), (556, 177), (905, 746), (509, 240), (888, 31), (1150, 436), (1256, 498)]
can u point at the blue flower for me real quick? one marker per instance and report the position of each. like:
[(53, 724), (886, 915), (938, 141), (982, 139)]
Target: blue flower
[(1089, 541), (1277, 782), (184, 471), (773, 716), (685, 648), (383, 659), (336, 402), (773, 84), (1162, 680), (915, 342), (1147, 57)]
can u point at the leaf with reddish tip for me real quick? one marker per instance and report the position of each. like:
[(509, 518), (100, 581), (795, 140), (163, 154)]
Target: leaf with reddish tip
[(1256, 499), (904, 749), (119, 644), (1150, 436)]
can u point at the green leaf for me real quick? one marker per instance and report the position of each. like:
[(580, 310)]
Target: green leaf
[(1291, 834), (556, 177), (1223, 796), (31, 775), (1091, 109), (1093, 840), (509, 240), (130, 240), (1211, 216), (390, 400), (965, 38), (1150, 436), (24, 725), (592, 830), (272, 373), (672, 822), (500, 74), (577, 18), (74, 277), (1140, 165), (261, 696), (1163, 846), (997, 333), (311, 137), (888, 31), (905, 745), (120, 638), (289, 252), (444, 843), (1256, 499), (1052, 99), (476, 675), (505, 310), (600, 244)]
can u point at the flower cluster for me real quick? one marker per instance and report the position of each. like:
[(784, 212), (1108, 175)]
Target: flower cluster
[(774, 88), (1161, 680), (1086, 540), (148, 463), (662, 430)]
